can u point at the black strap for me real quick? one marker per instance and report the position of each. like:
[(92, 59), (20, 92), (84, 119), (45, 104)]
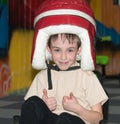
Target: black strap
[(57, 69), (51, 67), (49, 78)]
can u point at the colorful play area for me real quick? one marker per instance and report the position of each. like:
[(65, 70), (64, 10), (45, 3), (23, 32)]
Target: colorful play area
[(16, 37), (16, 30)]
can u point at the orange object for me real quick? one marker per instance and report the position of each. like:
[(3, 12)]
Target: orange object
[(4, 76)]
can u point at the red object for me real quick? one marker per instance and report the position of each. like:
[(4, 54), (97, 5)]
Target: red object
[(21, 12), (64, 16), (4, 77)]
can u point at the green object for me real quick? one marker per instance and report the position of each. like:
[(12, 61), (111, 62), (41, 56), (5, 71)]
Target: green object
[(102, 60), (106, 38), (4, 1)]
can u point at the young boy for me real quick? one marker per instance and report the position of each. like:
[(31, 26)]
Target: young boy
[(67, 91), (73, 95)]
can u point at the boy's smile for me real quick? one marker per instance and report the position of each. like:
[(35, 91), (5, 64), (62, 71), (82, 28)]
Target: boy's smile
[(63, 52)]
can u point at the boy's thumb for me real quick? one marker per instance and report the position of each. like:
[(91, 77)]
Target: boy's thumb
[(71, 95), (45, 93)]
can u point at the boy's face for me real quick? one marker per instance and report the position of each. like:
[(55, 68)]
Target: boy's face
[(63, 52)]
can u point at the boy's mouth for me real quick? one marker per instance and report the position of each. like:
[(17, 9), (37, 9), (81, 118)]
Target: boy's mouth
[(63, 63)]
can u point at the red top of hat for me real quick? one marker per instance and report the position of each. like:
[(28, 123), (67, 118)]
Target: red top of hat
[(75, 14), (80, 5)]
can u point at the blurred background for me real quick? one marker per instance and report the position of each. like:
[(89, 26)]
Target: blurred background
[(16, 35)]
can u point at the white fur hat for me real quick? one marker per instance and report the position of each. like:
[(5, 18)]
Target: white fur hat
[(64, 16)]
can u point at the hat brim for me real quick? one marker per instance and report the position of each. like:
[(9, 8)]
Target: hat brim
[(41, 54)]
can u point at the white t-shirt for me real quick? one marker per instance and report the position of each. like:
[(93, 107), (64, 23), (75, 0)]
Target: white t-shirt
[(83, 84)]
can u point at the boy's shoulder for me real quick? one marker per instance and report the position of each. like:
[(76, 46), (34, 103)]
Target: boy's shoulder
[(42, 72), (87, 72)]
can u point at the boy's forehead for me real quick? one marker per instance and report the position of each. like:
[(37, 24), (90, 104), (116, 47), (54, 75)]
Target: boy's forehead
[(62, 41), (64, 38)]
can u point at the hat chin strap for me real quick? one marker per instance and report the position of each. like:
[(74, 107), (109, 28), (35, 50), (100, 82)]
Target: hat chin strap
[(56, 68)]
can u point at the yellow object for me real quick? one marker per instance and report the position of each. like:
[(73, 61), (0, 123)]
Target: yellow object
[(20, 59), (96, 5)]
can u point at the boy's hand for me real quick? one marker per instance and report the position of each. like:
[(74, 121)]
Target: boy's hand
[(70, 103), (50, 101)]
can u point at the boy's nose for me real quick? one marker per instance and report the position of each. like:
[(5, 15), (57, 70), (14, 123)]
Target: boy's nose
[(63, 56)]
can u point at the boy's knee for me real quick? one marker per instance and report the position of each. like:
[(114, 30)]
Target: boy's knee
[(32, 109), (33, 98)]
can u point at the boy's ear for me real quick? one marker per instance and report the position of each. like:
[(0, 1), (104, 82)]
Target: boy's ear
[(79, 50), (48, 49)]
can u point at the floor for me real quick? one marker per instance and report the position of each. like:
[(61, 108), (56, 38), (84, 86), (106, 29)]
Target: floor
[(113, 89), (10, 105)]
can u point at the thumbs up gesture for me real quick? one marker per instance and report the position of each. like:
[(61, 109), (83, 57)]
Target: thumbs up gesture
[(51, 102), (70, 102)]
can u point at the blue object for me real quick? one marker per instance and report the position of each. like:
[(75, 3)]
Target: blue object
[(103, 31), (4, 30)]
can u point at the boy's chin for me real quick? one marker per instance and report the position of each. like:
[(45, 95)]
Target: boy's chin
[(63, 68)]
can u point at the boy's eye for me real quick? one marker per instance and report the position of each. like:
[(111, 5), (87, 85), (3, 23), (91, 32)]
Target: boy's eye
[(56, 50), (70, 50)]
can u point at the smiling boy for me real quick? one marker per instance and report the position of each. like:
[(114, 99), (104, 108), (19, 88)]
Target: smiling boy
[(64, 48), (66, 91)]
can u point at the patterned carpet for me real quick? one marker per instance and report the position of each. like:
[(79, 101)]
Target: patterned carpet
[(10, 105), (113, 89)]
